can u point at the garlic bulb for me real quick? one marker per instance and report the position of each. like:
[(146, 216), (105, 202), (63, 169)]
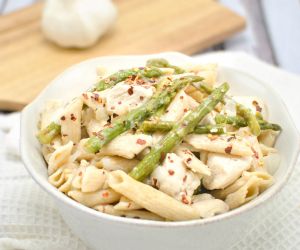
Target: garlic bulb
[(77, 23)]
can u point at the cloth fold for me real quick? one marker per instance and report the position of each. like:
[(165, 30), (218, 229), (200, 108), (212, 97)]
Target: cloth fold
[(30, 221)]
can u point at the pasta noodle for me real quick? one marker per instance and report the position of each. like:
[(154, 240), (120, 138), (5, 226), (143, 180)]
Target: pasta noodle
[(149, 198)]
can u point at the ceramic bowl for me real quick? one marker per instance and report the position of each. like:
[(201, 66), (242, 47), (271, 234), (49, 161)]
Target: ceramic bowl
[(106, 232)]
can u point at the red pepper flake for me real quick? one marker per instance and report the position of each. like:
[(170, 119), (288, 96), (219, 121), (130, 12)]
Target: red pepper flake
[(141, 98), (105, 194), (85, 96), (130, 90), (154, 181), (171, 161), (96, 97), (80, 173), (119, 102), (257, 107), (73, 118), (171, 172), (185, 110), (255, 153), (63, 118), (184, 178), (112, 107), (140, 141), (228, 149), (184, 199), (181, 97), (188, 160)]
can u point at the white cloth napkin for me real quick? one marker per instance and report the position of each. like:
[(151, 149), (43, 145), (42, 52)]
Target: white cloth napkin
[(30, 221)]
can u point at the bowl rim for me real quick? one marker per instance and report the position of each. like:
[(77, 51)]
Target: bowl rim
[(58, 196)]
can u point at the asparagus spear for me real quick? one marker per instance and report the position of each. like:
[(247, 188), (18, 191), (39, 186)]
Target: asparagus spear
[(250, 119), (47, 134), (164, 126), (122, 75), (239, 121), (161, 98), (163, 63), (178, 132)]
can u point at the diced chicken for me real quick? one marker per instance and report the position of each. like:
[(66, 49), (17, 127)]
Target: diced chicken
[(71, 122), (254, 103), (127, 145), (225, 144), (112, 163), (224, 170), (181, 104), (192, 162), (174, 179), (208, 206), (122, 98)]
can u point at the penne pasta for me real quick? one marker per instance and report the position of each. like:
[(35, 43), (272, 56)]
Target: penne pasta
[(151, 199)]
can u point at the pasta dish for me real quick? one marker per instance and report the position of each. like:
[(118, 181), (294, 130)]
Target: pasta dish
[(159, 142)]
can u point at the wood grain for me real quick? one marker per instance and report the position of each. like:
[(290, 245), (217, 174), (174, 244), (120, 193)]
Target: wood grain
[(28, 62)]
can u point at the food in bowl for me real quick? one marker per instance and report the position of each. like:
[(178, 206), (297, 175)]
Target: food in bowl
[(159, 142)]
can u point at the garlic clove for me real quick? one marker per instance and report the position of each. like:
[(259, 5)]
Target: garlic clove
[(77, 23)]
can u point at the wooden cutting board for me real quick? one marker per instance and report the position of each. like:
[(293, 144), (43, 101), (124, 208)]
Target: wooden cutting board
[(28, 62)]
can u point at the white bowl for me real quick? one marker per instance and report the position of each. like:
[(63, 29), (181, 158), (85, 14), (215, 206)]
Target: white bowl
[(106, 232)]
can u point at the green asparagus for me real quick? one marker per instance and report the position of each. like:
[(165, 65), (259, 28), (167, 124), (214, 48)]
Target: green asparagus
[(163, 63), (47, 134), (161, 98), (110, 81), (164, 126), (178, 132), (238, 121), (250, 119)]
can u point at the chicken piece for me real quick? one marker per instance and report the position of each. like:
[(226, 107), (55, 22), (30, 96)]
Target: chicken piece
[(225, 170), (123, 98), (225, 144), (181, 104), (192, 162), (127, 145), (174, 179)]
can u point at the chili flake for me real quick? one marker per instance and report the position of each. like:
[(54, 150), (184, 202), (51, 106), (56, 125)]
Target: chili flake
[(228, 149), (105, 194), (63, 118), (140, 141), (171, 172), (130, 90)]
